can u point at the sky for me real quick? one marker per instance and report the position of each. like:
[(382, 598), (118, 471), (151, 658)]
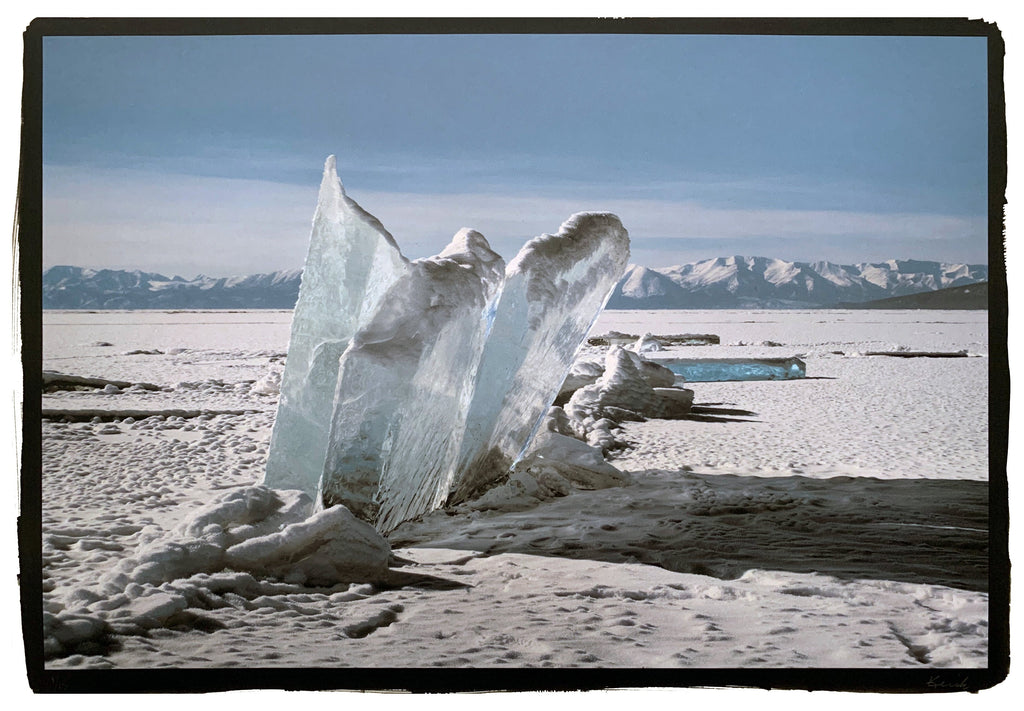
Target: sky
[(189, 155)]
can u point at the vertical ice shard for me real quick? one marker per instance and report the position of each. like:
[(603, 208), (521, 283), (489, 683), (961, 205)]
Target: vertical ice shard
[(405, 383), (554, 290), (351, 263)]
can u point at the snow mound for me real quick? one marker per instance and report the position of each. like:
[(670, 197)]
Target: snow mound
[(554, 466), (269, 384), (630, 388), (331, 546), (646, 344), (586, 371), (621, 393), (581, 464), (246, 533)]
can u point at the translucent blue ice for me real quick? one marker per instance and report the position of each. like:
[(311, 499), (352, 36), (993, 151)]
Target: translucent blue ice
[(411, 383), (351, 263), (404, 386), (712, 370)]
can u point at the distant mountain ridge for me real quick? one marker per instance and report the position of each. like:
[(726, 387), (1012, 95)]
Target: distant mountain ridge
[(972, 296), (77, 288), (764, 283), (726, 282)]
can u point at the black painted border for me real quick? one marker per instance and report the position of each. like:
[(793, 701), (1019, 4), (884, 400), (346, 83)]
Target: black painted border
[(434, 680)]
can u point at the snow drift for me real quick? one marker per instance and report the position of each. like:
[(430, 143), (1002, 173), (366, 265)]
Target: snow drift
[(228, 547)]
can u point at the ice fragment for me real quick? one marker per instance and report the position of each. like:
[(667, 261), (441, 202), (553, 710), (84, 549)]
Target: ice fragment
[(405, 383), (554, 290), (711, 370), (351, 264), (409, 383)]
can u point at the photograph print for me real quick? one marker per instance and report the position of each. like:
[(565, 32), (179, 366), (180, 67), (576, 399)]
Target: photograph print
[(507, 354)]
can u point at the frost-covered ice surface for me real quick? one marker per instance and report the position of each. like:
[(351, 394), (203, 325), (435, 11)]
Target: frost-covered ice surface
[(844, 523), (711, 370), (852, 415)]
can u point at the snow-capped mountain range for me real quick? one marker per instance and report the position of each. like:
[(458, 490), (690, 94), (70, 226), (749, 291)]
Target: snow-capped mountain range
[(725, 282), (78, 288), (760, 282)]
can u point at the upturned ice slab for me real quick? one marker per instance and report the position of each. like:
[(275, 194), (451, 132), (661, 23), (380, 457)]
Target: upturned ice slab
[(411, 383), (405, 382), (351, 264), (554, 290)]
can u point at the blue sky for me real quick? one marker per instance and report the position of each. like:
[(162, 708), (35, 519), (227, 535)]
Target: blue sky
[(191, 155)]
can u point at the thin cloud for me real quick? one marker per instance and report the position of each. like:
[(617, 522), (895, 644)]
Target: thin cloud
[(220, 226), (653, 219)]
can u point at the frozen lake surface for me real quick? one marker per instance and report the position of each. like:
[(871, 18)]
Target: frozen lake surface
[(852, 415), (836, 520)]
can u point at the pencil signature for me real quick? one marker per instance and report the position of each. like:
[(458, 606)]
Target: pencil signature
[(936, 682)]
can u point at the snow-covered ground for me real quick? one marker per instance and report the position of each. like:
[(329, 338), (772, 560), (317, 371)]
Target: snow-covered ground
[(853, 415), (839, 520)]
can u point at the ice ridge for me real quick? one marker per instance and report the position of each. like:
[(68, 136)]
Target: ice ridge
[(411, 383)]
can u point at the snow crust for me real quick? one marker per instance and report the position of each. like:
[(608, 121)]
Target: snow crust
[(706, 558), (250, 531)]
